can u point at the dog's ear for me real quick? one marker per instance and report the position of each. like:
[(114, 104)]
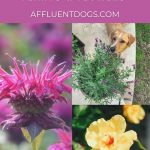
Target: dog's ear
[(131, 39)]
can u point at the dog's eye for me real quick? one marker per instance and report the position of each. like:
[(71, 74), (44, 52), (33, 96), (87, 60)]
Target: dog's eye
[(114, 38), (122, 41)]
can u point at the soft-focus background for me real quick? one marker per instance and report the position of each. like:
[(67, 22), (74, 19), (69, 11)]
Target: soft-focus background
[(30, 43)]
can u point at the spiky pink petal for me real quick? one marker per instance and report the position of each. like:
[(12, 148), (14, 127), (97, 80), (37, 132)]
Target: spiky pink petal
[(65, 141), (32, 93)]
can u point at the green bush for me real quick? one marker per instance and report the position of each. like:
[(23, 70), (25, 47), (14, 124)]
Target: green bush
[(75, 46), (99, 76)]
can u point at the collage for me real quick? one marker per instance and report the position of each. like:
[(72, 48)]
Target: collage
[(74, 86)]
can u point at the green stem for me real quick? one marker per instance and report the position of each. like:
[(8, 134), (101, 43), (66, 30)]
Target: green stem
[(140, 145), (34, 146), (37, 141), (119, 101)]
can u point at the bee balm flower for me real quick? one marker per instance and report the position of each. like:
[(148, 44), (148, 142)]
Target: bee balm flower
[(65, 141), (32, 94), (110, 135), (5, 111), (134, 113)]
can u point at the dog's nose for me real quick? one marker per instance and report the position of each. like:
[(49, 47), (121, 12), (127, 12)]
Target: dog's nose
[(112, 49)]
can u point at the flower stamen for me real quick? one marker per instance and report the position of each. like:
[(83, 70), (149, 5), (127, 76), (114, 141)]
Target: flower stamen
[(108, 140)]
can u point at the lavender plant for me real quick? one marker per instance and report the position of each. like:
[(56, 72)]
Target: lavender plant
[(99, 76)]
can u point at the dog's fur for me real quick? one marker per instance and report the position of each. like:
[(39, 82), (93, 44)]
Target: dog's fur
[(120, 39)]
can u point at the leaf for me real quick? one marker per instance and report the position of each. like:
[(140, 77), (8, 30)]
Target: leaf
[(140, 145), (26, 134), (34, 130), (77, 146), (37, 141), (78, 111)]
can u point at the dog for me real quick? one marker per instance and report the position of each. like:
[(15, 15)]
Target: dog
[(120, 39)]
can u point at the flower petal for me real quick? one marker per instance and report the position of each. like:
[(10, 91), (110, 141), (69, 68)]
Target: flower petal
[(126, 140), (118, 123), (96, 132), (134, 113)]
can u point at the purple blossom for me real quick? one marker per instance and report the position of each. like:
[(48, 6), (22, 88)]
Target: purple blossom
[(32, 94), (14, 134), (59, 43), (51, 39), (65, 141), (38, 31), (64, 111), (5, 111)]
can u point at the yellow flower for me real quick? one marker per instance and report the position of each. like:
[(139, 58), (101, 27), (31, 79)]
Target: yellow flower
[(110, 135), (134, 113)]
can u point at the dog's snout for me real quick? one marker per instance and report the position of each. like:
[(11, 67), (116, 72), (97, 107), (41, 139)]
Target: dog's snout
[(112, 49)]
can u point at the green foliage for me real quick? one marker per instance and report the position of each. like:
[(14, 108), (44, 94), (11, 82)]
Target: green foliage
[(142, 86), (77, 146), (82, 117), (143, 31), (20, 44), (99, 76), (75, 46)]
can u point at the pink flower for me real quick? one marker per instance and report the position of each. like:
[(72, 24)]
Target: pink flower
[(5, 111), (32, 94), (65, 141)]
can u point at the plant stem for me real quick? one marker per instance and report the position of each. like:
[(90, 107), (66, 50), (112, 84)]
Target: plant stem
[(34, 146), (140, 145)]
